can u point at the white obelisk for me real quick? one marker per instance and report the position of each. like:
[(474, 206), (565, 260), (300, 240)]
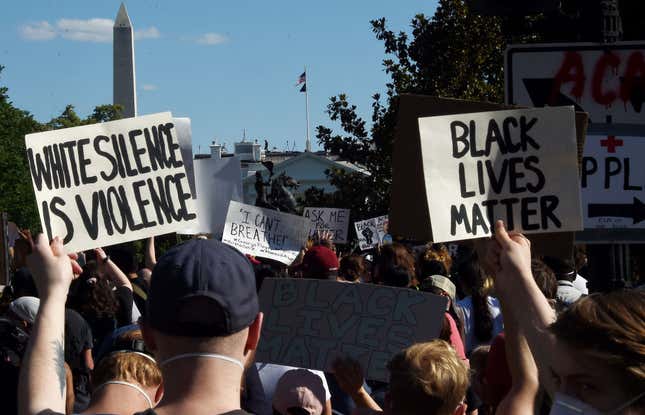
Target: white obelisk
[(125, 92)]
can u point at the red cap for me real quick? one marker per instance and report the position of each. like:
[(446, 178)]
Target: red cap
[(320, 262), (253, 260)]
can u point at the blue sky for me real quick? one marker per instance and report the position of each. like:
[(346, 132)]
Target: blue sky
[(228, 65)]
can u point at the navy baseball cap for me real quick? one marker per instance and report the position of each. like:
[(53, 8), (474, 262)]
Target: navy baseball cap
[(202, 288)]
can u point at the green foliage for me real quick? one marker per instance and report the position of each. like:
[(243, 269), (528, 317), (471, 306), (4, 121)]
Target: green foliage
[(454, 54), (16, 193)]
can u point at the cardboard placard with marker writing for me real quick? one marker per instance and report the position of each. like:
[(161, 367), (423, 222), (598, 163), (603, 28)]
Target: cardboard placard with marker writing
[(409, 213), (308, 323), (112, 182), (516, 165), (264, 233)]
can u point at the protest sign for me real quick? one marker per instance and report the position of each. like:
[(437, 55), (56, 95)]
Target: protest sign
[(112, 182), (383, 226), (333, 220), (264, 232), (185, 137), (517, 165), (367, 233), (371, 232), (409, 215), (218, 181), (307, 323)]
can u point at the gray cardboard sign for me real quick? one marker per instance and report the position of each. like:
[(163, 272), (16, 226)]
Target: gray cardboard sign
[(308, 323)]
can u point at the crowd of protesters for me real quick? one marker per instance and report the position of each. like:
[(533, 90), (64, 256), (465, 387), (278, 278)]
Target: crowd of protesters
[(116, 331)]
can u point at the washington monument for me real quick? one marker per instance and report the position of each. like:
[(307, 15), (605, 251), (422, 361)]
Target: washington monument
[(124, 82)]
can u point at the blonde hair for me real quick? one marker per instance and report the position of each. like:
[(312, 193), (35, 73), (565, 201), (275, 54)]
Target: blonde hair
[(427, 378), (128, 366)]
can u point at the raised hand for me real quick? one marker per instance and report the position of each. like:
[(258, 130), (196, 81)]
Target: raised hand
[(509, 254), (349, 374), (52, 268)]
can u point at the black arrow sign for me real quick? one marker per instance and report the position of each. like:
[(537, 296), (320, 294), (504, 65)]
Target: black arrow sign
[(540, 90), (634, 210)]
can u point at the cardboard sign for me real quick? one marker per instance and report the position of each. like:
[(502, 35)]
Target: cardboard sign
[(264, 232), (108, 183), (185, 138), (612, 181), (604, 80), (308, 323), (370, 232), (516, 165), (333, 220), (409, 215), (218, 181)]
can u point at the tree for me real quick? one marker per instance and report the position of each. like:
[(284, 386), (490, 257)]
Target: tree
[(16, 192), (454, 54)]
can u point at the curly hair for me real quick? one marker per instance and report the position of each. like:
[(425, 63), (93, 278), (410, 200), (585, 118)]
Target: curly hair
[(434, 252), (93, 294), (609, 327)]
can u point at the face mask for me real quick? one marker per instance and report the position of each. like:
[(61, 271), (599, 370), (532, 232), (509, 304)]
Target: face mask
[(131, 385), (568, 405), (203, 355)]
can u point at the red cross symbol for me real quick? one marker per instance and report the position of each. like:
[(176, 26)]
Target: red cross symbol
[(611, 143)]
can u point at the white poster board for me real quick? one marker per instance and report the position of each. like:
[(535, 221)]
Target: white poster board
[(603, 80), (264, 233), (612, 181), (108, 183), (185, 137), (308, 323), (218, 182), (371, 232), (333, 220), (519, 166)]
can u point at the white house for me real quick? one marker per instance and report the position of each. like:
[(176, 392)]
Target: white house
[(306, 167)]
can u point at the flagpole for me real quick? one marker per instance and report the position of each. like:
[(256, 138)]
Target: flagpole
[(308, 143)]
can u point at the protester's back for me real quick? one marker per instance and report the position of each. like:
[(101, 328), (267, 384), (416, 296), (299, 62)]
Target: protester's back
[(202, 323)]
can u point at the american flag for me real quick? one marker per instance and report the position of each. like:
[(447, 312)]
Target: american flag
[(302, 78)]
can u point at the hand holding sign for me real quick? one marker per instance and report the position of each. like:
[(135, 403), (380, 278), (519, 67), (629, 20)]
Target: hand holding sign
[(334, 221)]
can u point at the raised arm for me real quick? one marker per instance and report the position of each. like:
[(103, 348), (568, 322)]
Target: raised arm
[(349, 375), (150, 253), (519, 293), (520, 399), (112, 270), (42, 382)]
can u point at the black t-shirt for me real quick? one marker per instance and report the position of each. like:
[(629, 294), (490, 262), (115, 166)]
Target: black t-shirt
[(78, 338), (236, 412), (124, 315)]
